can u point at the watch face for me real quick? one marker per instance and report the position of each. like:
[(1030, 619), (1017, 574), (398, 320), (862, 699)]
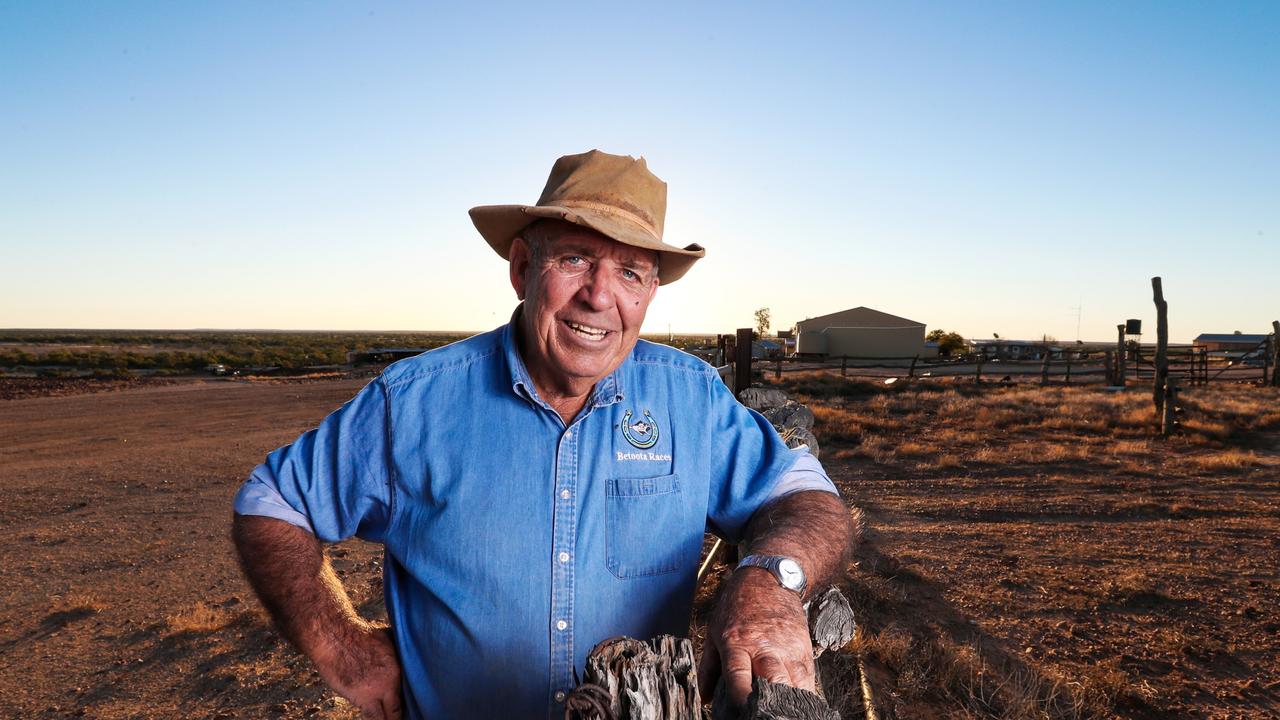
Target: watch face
[(791, 574)]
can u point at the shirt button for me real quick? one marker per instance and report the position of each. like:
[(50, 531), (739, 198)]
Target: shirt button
[(568, 434), (559, 696), (564, 494), (561, 625), (564, 558)]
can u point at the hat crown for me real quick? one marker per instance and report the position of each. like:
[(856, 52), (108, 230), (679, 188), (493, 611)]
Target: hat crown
[(607, 182)]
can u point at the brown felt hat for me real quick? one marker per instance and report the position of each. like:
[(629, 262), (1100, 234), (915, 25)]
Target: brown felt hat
[(615, 195)]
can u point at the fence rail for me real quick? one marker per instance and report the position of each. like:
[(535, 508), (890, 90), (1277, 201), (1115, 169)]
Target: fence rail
[(1193, 367)]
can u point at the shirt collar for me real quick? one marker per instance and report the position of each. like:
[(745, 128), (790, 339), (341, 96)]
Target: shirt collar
[(608, 391)]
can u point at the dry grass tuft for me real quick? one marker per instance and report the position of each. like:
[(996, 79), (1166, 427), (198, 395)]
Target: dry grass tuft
[(1225, 460), (926, 664), (200, 618), (77, 603), (1133, 588)]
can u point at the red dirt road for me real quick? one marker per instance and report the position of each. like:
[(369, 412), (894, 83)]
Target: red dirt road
[(121, 596)]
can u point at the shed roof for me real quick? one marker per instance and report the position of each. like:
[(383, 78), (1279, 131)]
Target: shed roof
[(1229, 338), (863, 317)]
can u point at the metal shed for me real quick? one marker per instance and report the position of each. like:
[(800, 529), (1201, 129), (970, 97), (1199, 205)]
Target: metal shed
[(860, 332)]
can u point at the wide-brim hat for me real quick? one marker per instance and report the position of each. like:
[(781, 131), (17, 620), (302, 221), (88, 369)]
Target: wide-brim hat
[(615, 195)]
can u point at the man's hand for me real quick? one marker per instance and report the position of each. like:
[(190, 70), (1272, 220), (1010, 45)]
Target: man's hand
[(758, 628), (365, 671)]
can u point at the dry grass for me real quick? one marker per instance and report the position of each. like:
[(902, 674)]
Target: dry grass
[(199, 619), (1225, 460), (950, 427), (1051, 544), (933, 663), (76, 603)]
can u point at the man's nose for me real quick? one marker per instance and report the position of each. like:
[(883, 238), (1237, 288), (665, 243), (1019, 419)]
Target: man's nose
[(597, 289)]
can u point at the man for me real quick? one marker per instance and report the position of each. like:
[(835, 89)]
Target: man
[(545, 486)]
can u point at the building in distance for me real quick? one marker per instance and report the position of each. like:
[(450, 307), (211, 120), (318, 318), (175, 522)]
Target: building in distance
[(860, 332)]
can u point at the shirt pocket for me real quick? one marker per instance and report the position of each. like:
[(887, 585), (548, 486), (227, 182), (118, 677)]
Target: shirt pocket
[(644, 526)]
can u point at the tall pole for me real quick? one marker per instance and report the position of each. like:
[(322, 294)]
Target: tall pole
[(1120, 355), (1162, 348), (1275, 349), (742, 361)]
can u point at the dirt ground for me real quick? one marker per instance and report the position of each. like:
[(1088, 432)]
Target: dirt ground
[(997, 577)]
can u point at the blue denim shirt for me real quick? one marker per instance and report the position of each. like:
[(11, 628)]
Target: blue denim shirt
[(513, 543)]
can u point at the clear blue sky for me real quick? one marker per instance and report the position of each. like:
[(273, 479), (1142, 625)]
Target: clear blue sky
[(982, 167)]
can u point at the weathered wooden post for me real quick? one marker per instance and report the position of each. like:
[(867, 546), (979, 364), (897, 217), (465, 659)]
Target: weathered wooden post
[(1119, 378), (912, 372), (627, 679), (844, 365), (1275, 357), (1266, 362), (742, 361), (1162, 348), (1109, 360), (977, 375), (1168, 420), (635, 680), (777, 373), (1068, 378), (1044, 368)]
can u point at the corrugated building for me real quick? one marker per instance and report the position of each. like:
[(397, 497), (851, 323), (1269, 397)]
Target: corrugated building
[(1215, 342), (860, 332)]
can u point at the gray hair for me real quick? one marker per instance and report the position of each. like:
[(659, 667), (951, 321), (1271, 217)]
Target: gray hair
[(535, 235)]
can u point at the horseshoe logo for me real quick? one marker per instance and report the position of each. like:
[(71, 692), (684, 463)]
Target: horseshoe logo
[(642, 433)]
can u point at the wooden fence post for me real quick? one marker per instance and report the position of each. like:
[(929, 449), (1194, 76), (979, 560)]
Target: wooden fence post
[(1266, 363), (912, 372), (1168, 420), (1162, 347), (1275, 349), (1044, 368), (1119, 379), (1068, 369), (742, 361), (844, 365), (977, 376)]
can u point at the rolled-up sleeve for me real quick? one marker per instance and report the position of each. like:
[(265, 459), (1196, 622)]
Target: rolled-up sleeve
[(805, 474), (334, 480)]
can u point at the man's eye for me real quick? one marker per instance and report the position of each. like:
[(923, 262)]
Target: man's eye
[(630, 274), (574, 260)]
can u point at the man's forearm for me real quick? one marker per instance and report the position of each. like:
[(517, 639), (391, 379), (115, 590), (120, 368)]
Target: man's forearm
[(289, 571), (814, 527)]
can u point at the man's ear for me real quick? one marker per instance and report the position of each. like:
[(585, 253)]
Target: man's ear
[(518, 259)]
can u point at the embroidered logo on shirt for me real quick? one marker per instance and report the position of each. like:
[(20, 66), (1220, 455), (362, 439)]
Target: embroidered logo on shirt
[(642, 433)]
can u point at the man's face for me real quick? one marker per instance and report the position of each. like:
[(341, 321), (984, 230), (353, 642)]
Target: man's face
[(585, 299)]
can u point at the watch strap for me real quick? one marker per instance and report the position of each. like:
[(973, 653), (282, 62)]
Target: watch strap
[(772, 563)]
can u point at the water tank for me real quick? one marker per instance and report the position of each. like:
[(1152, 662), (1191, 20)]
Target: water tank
[(1132, 327), (811, 342)]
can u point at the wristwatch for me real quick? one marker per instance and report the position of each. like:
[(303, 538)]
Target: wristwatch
[(788, 572)]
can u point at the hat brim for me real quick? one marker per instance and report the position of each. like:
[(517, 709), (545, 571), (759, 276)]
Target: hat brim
[(500, 224)]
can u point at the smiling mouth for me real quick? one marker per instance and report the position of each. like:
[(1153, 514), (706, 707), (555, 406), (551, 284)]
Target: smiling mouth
[(586, 331)]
